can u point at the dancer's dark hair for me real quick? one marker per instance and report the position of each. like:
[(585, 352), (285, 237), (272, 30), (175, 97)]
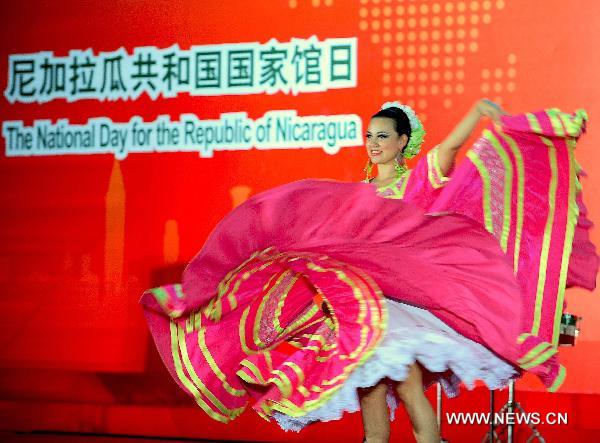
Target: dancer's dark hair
[(401, 122)]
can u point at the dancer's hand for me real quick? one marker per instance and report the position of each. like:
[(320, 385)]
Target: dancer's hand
[(451, 144), (488, 108)]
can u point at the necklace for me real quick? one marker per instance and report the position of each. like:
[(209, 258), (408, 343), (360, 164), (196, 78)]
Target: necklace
[(401, 171)]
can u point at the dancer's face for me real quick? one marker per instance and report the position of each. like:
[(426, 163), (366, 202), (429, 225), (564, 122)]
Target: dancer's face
[(383, 143)]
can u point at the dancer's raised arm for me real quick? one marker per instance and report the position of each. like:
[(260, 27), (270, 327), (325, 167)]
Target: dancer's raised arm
[(452, 143)]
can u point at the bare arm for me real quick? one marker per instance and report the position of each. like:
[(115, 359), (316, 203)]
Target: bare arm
[(452, 143)]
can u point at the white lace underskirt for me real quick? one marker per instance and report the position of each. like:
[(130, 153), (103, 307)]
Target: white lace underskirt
[(413, 334)]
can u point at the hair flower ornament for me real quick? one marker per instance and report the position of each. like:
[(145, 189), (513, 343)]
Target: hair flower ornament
[(417, 132)]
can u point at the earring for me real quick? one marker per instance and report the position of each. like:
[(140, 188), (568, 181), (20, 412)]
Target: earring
[(400, 169), (368, 169)]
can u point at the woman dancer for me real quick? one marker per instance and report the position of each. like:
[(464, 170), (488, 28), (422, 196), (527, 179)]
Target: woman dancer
[(387, 143), (284, 304)]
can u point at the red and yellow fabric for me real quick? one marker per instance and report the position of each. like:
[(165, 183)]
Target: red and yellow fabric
[(231, 350), (285, 298), (521, 181)]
